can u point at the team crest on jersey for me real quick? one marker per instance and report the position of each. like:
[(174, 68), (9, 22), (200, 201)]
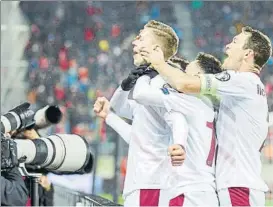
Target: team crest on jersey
[(224, 76)]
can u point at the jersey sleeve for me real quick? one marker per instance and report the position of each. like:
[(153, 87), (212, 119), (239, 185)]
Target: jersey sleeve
[(144, 94), (120, 126), (122, 105), (179, 102), (227, 83), (165, 97), (179, 127)]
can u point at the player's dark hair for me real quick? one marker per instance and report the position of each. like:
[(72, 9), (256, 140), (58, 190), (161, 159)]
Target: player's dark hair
[(260, 44), (209, 63), (180, 61)]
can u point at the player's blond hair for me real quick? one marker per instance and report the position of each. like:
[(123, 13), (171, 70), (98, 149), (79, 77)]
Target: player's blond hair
[(166, 36)]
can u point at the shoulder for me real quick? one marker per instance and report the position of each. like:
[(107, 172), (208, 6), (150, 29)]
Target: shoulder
[(229, 75), (157, 81), (234, 77)]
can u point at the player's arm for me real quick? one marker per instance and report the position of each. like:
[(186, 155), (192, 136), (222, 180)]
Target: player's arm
[(227, 83), (144, 94), (102, 109), (222, 84), (121, 104), (179, 126), (178, 79), (120, 126), (180, 130)]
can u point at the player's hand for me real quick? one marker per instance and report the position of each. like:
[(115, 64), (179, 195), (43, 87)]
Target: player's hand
[(129, 82), (102, 107), (155, 56), (177, 153)]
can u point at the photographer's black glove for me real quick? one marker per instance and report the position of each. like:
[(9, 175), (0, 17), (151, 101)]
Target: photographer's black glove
[(128, 83)]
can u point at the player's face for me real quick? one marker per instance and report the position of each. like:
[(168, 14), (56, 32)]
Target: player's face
[(193, 68), (145, 38), (235, 52)]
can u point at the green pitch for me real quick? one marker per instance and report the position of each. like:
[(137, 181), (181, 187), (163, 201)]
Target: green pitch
[(269, 203), (110, 197)]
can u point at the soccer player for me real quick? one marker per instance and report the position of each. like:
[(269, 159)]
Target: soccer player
[(191, 119), (147, 157), (242, 123)]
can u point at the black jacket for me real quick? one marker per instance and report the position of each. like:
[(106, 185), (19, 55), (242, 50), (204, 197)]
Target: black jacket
[(46, 197), (13, 189)]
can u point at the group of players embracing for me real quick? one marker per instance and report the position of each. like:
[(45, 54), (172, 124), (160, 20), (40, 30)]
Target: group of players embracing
[(197, 127)]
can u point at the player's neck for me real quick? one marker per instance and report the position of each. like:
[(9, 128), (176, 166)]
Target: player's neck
[(247, 67)]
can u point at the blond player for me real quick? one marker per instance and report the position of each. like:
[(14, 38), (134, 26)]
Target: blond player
[(147, 157), (242, 123)]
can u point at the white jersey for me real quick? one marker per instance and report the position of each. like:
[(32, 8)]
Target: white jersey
[(185, 113), (147, 156), (241, 128)]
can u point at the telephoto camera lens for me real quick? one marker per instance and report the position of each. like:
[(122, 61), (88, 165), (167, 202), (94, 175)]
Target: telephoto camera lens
[(21, 117), (47, 116), (60, 153)]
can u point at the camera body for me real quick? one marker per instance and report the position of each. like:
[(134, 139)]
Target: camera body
[(8, 153)]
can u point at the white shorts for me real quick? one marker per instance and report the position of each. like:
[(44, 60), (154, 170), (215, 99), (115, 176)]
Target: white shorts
[(198, 198), (146, 197), (239, 196)]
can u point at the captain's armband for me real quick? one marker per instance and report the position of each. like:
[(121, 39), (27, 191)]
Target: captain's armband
[(208, 84)]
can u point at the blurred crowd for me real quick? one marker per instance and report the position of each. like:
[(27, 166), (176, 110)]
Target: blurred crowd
[(81, 50)]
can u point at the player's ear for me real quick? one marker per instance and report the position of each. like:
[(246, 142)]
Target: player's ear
[(249, 53)]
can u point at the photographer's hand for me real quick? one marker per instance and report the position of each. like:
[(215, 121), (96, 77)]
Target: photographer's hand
[(44, 182), (31, 134)]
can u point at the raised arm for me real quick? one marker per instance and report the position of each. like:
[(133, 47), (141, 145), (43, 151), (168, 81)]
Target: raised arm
[(176, 78), (102, 110)]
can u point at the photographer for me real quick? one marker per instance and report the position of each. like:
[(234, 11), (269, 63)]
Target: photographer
[(13, 188), (46, 189)]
